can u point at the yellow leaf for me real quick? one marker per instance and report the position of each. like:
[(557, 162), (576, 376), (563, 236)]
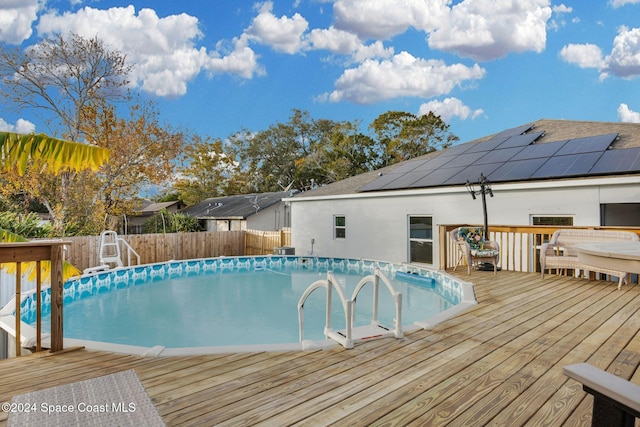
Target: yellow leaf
[(17, 149)]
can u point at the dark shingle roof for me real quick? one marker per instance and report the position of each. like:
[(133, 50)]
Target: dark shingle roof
[(628, 136), (234, 207)]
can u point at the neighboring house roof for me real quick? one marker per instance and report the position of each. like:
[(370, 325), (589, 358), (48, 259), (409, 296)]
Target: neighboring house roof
[(149, 208), (545, 149), (157, 207), (234, 207)]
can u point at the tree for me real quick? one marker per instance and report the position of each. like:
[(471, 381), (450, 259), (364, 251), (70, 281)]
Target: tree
[(270, 158), (26, 159), (403, 136), (144, 153), (211, 172), (346, 153), (16, 151), (28, 226), (60, 79), (177, 222)]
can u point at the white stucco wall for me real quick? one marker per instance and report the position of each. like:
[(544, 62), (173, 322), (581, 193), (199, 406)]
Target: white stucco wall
[(272, 218), (377, 223)]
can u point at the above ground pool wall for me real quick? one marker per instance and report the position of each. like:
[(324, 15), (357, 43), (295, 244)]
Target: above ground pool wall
[(452, 289)]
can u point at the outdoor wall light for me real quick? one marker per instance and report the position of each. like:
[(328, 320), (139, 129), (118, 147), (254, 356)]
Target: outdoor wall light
[(484, 189)]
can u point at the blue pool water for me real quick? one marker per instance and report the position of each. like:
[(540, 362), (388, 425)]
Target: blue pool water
[(232, 301)]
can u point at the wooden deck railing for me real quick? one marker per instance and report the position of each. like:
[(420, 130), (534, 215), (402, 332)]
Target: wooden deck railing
[(519, 244), (38, 251)]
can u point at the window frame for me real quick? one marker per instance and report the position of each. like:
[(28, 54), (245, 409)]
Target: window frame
[(337, 227), (428, 241), (570, 216)]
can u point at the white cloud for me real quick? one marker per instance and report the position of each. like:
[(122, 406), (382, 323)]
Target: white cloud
[(401, 76), (374, 50), (241, 60), (583, 55), (345, 43), (383, 19), (562, 8), (559, 21), (162, 50), (282, 34), (449, 108), (334, 40), (21, 126), (620, 3), (627, 115), (16, 18), (623, 61), (488, 29)]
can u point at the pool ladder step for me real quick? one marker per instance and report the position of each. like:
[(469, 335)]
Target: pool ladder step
[(351, 334)]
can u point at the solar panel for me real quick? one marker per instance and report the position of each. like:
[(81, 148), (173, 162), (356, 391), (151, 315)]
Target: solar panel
[(466, 159), (437, 177), (514, 131), (409, 166), (623, 160), (561, 166), (512, 155), (486, 145), (534, 151), (379, 182), (434, 163), (516, 170), (521, 140), (499, 156), (406, 180), (457, 149), (471, 173), (588, 144)]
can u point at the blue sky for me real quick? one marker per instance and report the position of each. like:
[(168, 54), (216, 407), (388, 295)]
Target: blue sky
[(216, 67)]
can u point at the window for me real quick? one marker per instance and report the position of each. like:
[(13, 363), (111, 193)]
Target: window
[(552, 220), (549, 221), (620, 214), (339, 227), (421, 239)]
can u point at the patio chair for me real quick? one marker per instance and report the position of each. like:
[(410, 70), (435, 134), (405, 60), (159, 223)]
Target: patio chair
[(472, 246)]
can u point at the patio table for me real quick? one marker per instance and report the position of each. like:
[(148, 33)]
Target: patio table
[(623, 256)]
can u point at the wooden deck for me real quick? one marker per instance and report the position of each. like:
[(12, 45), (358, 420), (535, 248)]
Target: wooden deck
[(498, 363)]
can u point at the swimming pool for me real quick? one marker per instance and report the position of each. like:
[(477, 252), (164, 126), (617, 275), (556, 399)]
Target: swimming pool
[(233, 303)]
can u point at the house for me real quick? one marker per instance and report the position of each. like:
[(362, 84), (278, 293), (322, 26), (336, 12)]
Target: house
[(134, 223), (257, 211), (555, 172)]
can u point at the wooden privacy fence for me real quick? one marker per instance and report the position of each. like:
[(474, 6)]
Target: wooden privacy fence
[(263, 242), (82, 252)]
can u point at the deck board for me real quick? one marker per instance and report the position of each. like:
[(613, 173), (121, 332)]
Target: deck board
[(499, 363)]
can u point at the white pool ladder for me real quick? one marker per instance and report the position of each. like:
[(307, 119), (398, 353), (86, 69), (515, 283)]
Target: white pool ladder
[(109, 252), (352, 334)]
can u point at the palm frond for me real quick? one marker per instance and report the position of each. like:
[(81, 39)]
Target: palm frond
[(68, 270), (16, 150)]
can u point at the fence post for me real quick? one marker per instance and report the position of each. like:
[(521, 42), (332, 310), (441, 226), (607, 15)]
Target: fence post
[(57, 281)]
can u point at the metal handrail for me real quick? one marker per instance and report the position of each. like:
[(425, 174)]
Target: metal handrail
[(348, 305)]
